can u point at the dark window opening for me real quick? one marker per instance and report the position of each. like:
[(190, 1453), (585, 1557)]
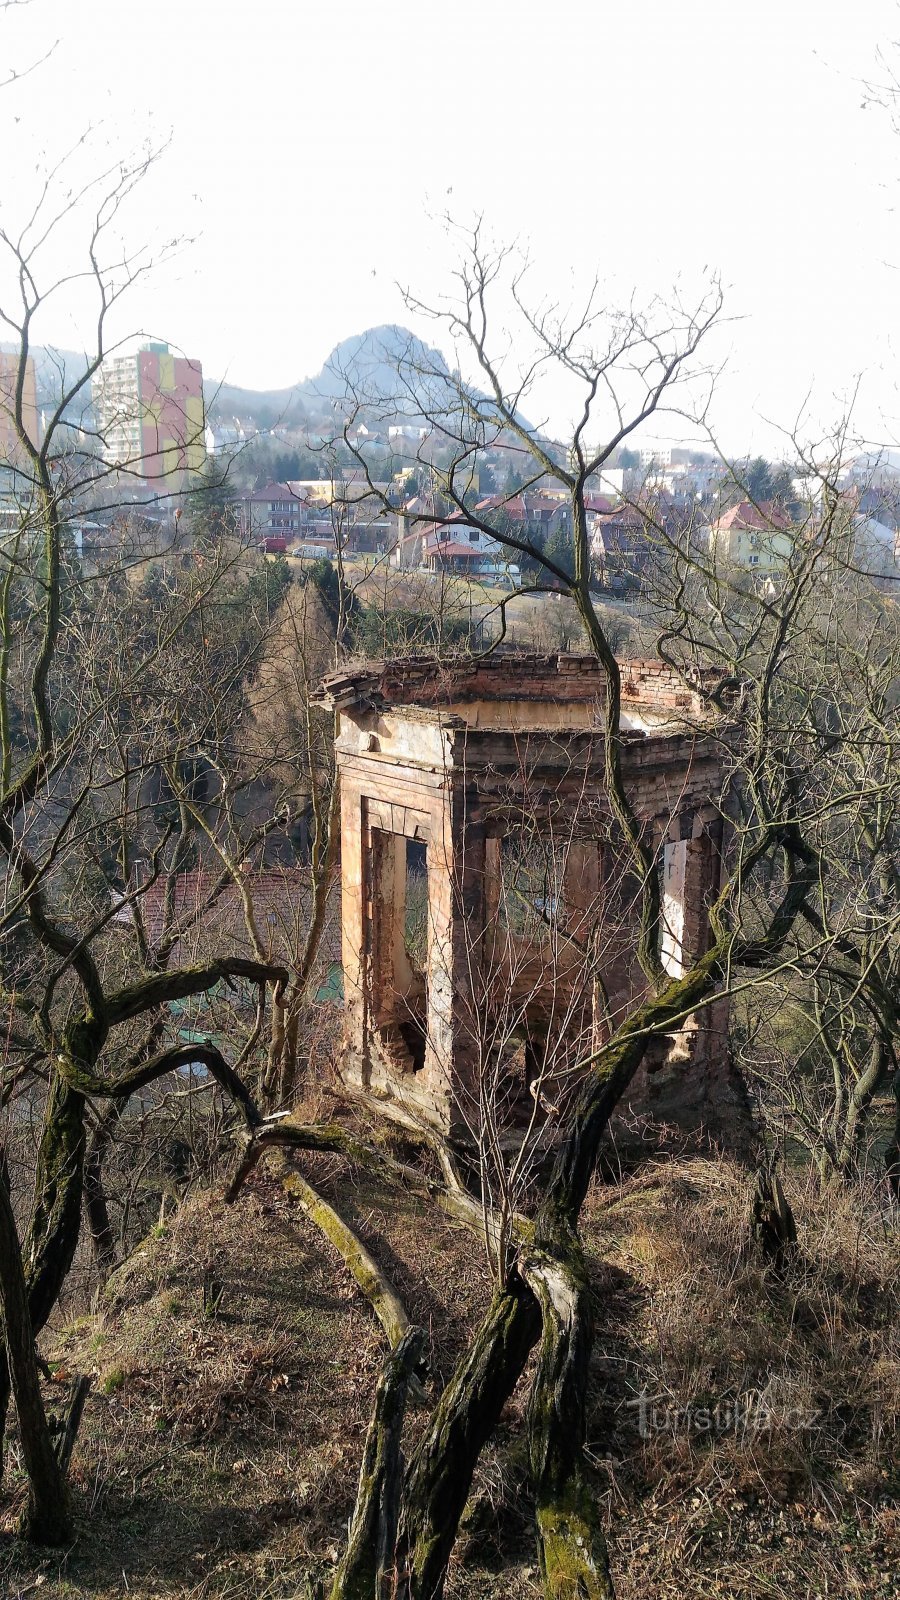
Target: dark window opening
[(415, 908)]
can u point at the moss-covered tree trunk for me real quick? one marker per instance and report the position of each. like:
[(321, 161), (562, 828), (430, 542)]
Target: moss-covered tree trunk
[(46, 1519), (52, 1237), (440, 1473), (95, 1206), (367, 1569), (571, 1544)]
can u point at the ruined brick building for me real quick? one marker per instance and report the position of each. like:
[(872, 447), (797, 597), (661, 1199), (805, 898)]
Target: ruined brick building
[(489, 911)]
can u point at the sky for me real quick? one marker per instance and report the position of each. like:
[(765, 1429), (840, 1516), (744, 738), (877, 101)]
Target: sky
[(313, 149)]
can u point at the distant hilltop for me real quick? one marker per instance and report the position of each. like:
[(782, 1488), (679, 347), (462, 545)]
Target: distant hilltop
[(366, 364)]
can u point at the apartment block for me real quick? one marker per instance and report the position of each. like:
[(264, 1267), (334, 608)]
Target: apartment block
[(11, 453), (149, 411)]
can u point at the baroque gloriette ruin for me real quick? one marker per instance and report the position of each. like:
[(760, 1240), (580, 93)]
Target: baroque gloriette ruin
[(489, 911)]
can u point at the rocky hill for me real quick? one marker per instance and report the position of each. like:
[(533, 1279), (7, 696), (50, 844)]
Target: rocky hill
[(365, 364)]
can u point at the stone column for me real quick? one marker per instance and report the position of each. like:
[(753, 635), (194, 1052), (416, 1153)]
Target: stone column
[(691, 875), (581, 887), (674, 873), (456, 923), (493, 882), (691, 869), (702, 885), (353, 929)]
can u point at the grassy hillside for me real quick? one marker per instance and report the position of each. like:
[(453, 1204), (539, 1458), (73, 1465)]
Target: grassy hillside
[(220, 1451)]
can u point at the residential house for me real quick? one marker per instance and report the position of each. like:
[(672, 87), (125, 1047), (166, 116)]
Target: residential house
[(274, 516), (404, 434), (754, 538), (201, 913), (456, 546), (224, 438), (881, 502), (532, 515), (620, 540), (410, 527), (656, 455), (875, 548), (609, 480)]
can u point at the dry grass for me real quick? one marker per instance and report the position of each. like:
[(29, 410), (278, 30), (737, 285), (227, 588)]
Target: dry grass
[(747, 1429), (219, 1454)]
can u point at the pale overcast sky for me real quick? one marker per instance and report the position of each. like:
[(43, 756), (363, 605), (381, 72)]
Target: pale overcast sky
[(310, 142)]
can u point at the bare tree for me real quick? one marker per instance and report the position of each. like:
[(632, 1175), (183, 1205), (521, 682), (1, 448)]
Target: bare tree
[(92, 710), (629, 366), (818, 615)]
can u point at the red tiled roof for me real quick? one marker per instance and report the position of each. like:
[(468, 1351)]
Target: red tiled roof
[(280, 897), (623, 516), (514, 507), (543, 502), (473, 551), (762, 518), (274, 491)]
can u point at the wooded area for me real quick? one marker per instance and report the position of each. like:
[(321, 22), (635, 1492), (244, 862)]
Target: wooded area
[(171, 826)]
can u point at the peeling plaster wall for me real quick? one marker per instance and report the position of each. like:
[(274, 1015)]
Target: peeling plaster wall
[(449, 758)]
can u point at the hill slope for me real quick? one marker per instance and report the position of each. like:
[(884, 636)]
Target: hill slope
[(219, 1454), (366, 363)]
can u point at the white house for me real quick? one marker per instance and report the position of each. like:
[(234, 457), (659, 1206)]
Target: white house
[(223, 438)]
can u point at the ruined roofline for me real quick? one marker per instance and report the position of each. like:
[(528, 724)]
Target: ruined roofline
[(421, 683)]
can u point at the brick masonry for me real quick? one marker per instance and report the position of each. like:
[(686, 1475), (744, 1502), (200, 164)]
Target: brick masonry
[(444, 771)]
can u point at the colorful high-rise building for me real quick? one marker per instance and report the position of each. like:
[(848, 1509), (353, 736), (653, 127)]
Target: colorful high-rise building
[(149, 412), (12, 456)]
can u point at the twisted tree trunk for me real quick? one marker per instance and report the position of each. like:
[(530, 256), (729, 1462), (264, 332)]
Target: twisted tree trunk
[(49, 1246), (366, 1571), (46, 1519), (440, 1474), (571, 1545), (52, 1237), (95, 1206)]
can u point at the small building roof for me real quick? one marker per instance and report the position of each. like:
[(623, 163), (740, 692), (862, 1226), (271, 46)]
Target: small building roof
[(472, 552), (274, 491), (765, 517)]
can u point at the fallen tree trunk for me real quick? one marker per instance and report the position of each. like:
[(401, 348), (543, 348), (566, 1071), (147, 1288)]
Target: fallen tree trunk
[(330, 1138), (374, 1283), (368, 1566)]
